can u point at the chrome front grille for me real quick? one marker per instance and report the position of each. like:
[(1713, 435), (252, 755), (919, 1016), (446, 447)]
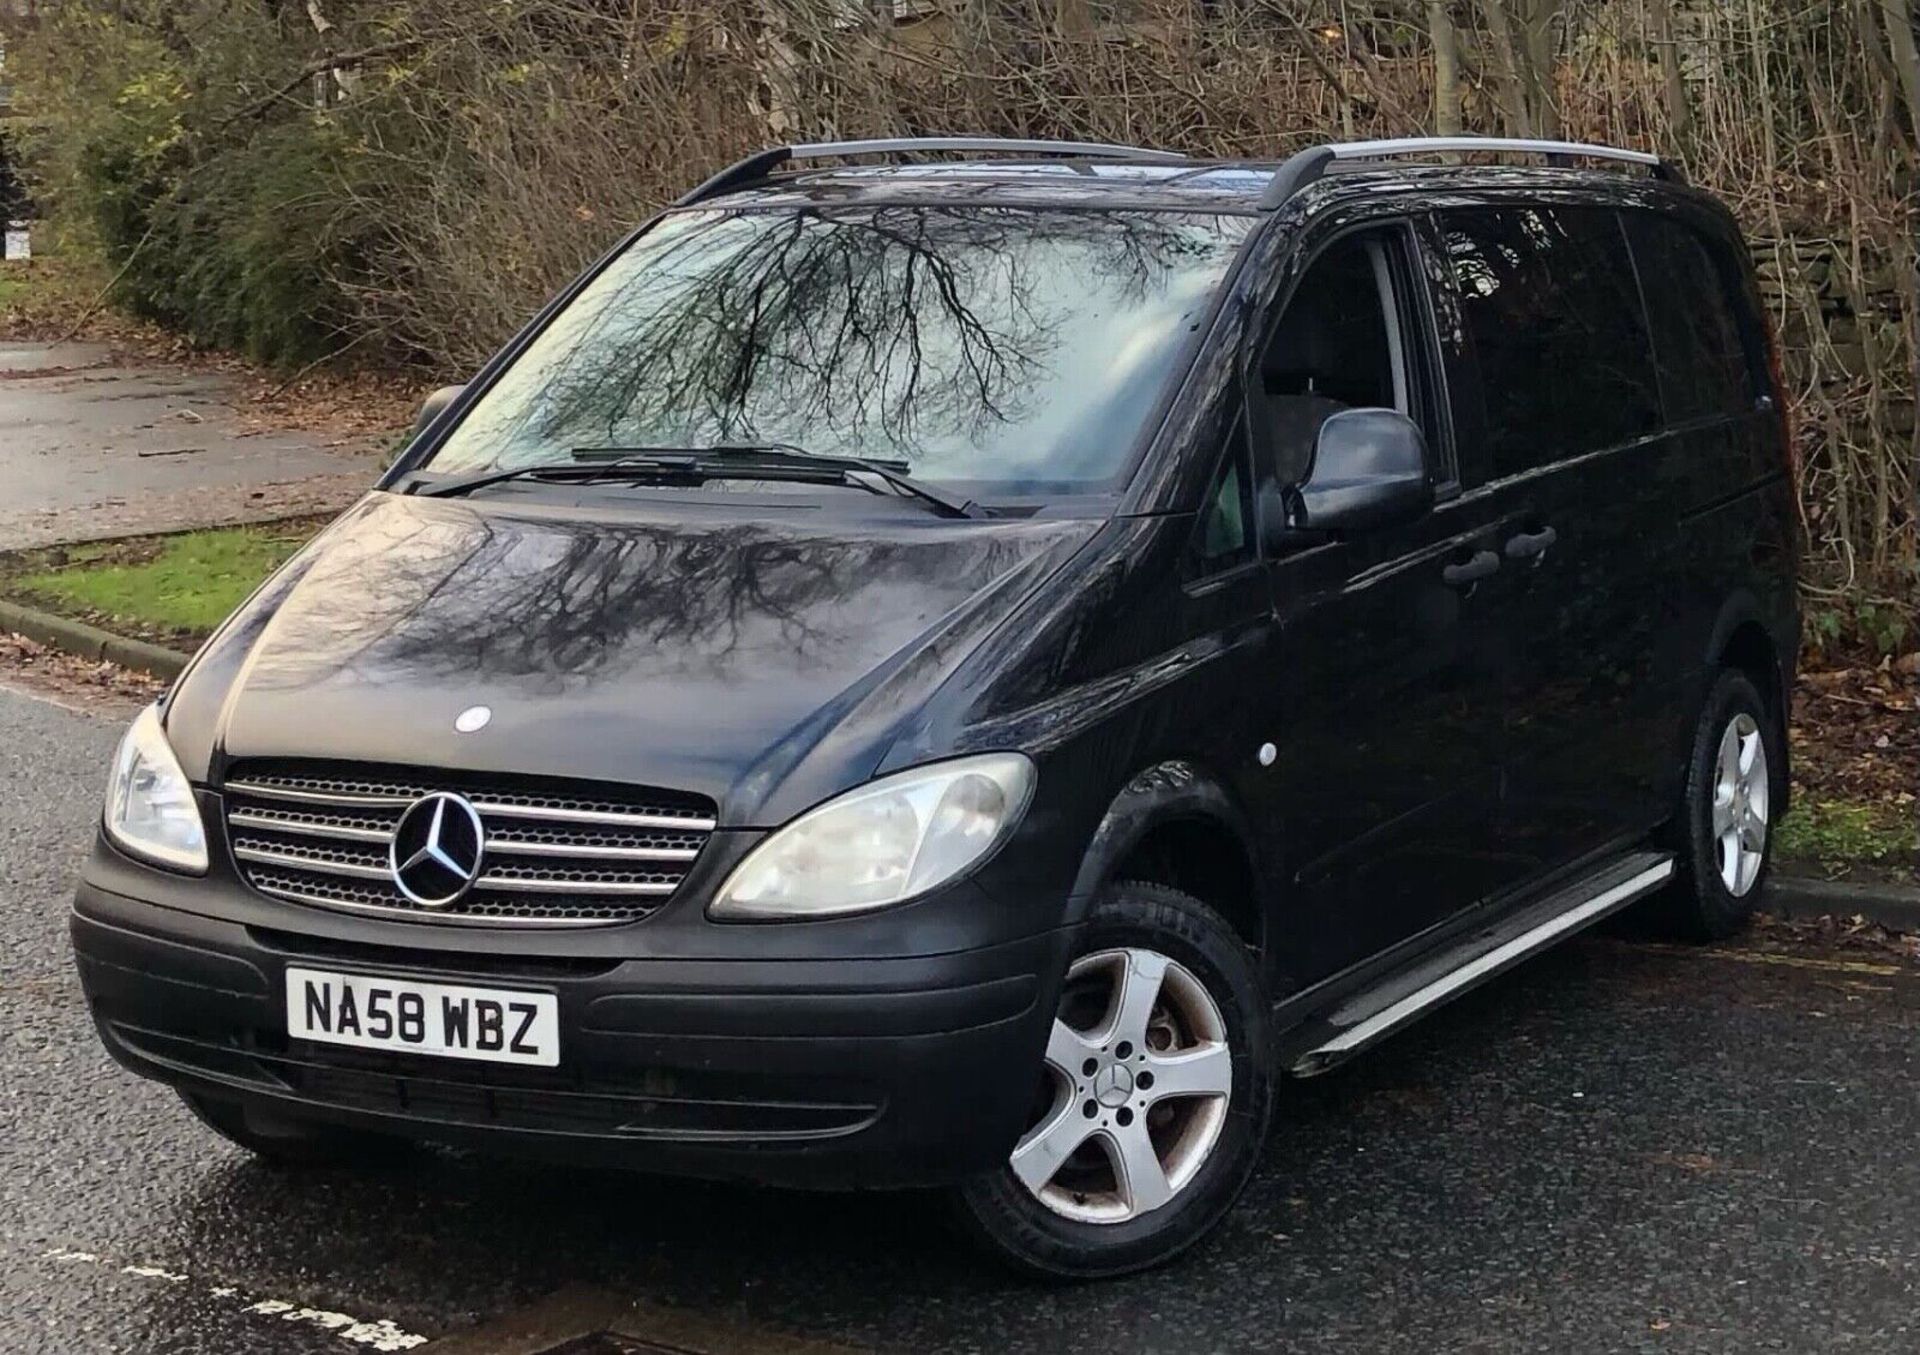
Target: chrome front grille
[(558, 853)]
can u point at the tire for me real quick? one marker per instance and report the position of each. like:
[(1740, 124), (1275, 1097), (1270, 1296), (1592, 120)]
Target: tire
[(1205, 1004), (1737, 733), (286, 1141)]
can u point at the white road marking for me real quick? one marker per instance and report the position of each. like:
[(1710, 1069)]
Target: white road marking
[(378, 1334)]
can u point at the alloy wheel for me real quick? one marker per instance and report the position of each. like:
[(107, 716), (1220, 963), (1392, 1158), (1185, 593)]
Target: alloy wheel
[(1740, 804), (1139, 1077)]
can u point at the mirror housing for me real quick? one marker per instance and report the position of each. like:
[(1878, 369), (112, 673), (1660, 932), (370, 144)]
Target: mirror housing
[(1369, 471), (431, 406)]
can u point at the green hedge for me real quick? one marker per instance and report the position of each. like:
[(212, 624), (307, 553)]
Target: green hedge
[(229, 222)]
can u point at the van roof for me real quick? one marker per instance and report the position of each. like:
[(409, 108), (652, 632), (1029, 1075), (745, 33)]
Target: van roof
[(1076, 174)]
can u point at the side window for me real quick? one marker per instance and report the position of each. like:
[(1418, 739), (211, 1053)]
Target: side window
[(1696, 340), (1223, 538), (1454, 348), (1341, 344), (1551, 303)]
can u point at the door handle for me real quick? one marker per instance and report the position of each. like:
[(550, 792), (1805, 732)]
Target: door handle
[(1468, 572), (1527, 545)]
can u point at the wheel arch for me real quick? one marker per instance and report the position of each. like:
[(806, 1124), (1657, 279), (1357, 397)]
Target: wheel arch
[(1176, 824)]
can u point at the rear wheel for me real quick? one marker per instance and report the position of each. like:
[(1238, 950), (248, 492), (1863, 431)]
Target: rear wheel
[(1725, 836), (1151, 1103), (289, 1141)]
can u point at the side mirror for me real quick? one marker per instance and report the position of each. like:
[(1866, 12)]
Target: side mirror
[(1369, 471), (431, 406)]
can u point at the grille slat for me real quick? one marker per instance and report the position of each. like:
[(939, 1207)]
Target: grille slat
[(643, 888), (337, 864), (615, 817), (267, 792), (557, 853), (509, 847), (309, 826)]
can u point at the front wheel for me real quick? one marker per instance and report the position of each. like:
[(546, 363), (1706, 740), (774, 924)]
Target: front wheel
[(1152, 1101)]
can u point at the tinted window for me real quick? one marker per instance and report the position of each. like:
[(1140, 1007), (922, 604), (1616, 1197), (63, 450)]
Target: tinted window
[(1696, 341), (1007, 350), (1456, 352), (1335, 348), (1552, 305), (1225, 532)]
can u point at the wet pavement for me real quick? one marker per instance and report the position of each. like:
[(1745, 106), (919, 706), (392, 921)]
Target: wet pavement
[(90, 447), (1622, 1147)]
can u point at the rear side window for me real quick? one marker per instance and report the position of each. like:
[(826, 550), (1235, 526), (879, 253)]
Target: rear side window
[(1551, 303), (1696, 340)]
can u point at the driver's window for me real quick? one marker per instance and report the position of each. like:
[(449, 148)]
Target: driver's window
[(1338, 346)]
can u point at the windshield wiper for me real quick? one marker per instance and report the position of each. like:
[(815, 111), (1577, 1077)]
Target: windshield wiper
[(456, 485), (775, 460), (733, 457)]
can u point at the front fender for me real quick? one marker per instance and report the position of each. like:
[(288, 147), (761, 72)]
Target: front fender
[(1172, 791)]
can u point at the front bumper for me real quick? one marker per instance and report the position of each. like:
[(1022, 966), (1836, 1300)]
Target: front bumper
[(818, 1072)]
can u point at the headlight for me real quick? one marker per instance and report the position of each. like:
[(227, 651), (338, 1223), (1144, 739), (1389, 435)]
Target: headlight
[(883, 843), (151, 812)]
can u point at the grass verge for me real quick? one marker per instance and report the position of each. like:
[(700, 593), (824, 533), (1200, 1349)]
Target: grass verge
[(1848, 839), (172, 589)]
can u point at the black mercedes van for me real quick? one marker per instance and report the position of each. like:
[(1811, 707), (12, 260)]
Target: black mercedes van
[(969, 663)]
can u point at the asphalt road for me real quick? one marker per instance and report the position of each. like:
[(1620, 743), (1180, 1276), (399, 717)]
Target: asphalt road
[(1622, 1147), (91, 447)]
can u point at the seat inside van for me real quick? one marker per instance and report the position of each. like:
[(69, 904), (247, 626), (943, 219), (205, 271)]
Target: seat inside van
[(1336, 348)]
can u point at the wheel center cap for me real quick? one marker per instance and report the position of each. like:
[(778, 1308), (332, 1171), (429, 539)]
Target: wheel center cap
[(1113, 1085)]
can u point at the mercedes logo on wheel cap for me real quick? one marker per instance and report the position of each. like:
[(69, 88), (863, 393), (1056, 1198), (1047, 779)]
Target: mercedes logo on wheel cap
[(436, 849), (1113, 1085)]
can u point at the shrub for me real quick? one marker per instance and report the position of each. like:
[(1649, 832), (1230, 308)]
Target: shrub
[(233, 230)]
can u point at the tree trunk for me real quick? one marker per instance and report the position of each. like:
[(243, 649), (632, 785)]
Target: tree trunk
[(1906, 59), (1542, 53), (1446, 69), (337, 77), (1506, 60), (1672, 82)]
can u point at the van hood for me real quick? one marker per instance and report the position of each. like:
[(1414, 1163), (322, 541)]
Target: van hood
[(762, 662)]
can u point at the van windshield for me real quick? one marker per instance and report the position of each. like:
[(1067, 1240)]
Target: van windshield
[(1007, 351)]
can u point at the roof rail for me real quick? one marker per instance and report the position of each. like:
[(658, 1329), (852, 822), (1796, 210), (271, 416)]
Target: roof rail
[(1303, 168), (762, 163)]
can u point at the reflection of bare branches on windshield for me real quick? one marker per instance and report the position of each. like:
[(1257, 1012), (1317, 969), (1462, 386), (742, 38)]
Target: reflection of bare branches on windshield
[(896, 330), (890, 320)]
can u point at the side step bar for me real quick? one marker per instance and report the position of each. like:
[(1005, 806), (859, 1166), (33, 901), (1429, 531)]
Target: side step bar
[(1406, 997)]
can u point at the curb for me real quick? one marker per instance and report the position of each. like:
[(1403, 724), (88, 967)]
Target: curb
[(90, 642), (1893, 906)]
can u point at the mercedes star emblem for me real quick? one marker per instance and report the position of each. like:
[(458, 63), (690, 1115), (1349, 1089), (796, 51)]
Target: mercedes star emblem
[(436, 849), (1113, 1085)]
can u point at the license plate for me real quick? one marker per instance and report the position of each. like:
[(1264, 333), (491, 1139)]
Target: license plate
[(442, 1019)]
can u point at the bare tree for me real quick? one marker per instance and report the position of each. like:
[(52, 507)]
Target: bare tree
[(1672, 81), (1446, 69)]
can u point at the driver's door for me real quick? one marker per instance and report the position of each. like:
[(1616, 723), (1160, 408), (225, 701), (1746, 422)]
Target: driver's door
[(1387, 666)]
